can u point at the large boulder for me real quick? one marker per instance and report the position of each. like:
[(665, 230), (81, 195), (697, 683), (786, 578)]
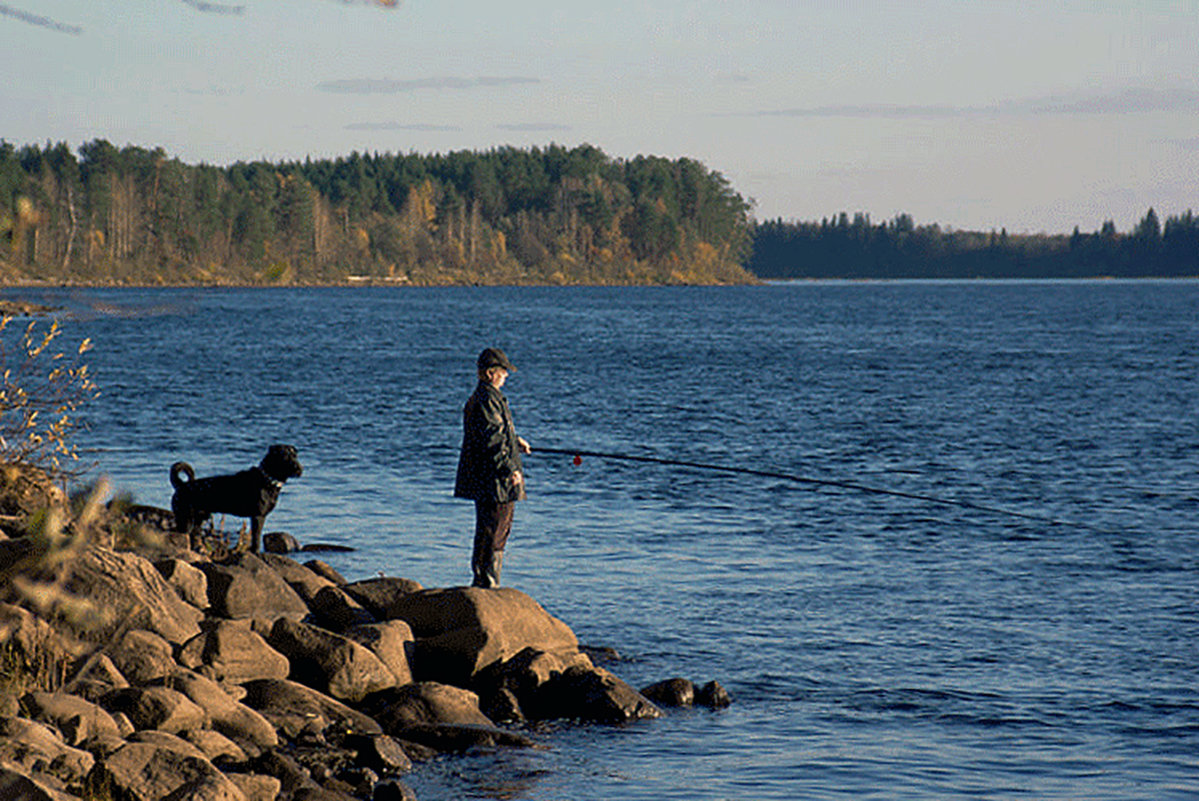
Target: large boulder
[(423, 702), (150, 772), (20, 785), (335, 609), (31, 644), (171, 741), (377, 595), (291, 707), (305, 581), (127, 592), (329, 662), (256, 787), (230, 650), (97, 677), (230, 717), (28, 745), (325, 570), (142, 656), (245, 586), (76, 718), (392, 642), (511, 689), (216, 746), (159, 708), (462, 630), (188, 581), (594, 694)]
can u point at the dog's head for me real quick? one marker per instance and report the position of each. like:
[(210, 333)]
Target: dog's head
[(282, 462)]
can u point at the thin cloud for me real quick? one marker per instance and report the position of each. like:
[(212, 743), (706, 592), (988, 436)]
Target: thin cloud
[(1128, 101), (215, 91), (214, 8), (875, 111), (388, 86), (398, 126), (533, 127), (40, 21)]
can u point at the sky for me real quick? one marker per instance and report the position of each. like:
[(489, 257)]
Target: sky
[(975, 114)]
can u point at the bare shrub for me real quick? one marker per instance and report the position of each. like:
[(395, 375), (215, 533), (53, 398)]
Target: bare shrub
[(41, 387)]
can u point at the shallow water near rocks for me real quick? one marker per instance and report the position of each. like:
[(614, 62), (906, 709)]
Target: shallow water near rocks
[(875, 646)]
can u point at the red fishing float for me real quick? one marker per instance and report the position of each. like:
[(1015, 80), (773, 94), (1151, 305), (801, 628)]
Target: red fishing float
[(578, 460)]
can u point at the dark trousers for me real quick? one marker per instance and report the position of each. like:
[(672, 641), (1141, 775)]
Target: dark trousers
[(493, 524)]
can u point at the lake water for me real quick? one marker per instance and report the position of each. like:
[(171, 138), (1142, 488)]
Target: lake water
[(875, 646)]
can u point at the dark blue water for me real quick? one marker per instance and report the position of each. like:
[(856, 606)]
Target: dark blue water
[(876, 646)]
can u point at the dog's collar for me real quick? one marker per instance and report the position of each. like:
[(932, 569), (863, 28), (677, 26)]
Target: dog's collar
[(274, 482)]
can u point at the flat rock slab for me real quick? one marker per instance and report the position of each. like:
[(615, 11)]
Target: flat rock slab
[(378, 595), (426, 702), (286, 703), (446, 737)]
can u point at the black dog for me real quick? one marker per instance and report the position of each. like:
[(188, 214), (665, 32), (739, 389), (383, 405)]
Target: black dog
[(251, 493)]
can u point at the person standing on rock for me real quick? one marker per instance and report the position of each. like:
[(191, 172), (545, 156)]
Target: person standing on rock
[(490, 471)]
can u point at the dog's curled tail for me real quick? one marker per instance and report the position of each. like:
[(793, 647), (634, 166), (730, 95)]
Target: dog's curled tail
[(182, 474)]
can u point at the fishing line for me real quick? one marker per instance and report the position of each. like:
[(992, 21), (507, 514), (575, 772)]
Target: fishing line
[(819, 482)]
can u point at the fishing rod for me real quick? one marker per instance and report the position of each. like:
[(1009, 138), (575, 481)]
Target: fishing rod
[(578, 455)]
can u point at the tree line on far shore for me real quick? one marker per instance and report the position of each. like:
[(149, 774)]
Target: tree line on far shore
[(845, 247), (553, 215)]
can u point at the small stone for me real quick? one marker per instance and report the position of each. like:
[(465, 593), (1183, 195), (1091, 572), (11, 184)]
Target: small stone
[(279, 542), (671, 692), (713, 695), (323, 570), (393, 790), (380, 752)]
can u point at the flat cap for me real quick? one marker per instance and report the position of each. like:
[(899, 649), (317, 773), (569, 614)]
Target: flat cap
[(494, 357)]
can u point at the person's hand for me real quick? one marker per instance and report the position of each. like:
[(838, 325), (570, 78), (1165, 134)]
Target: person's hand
[(524, 446)]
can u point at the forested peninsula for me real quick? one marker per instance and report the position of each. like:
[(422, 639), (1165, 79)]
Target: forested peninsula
[(134, 216), (845, 247), (553, 215)]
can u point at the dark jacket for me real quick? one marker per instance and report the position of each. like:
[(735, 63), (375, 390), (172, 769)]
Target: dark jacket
[(490, 454)]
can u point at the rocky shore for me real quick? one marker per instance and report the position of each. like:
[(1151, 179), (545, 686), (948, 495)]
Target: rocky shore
[(149, 671), (22, 308)]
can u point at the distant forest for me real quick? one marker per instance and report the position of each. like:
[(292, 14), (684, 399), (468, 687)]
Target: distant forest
[(845, 247), (550, 215), (553, 215)]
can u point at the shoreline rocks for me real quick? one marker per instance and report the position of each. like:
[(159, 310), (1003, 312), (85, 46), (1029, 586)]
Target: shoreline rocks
[(255, 677)]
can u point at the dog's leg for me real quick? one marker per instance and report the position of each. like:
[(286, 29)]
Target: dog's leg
[(256, 524)]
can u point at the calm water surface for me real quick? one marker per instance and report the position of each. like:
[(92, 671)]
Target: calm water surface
[(876, 647)]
